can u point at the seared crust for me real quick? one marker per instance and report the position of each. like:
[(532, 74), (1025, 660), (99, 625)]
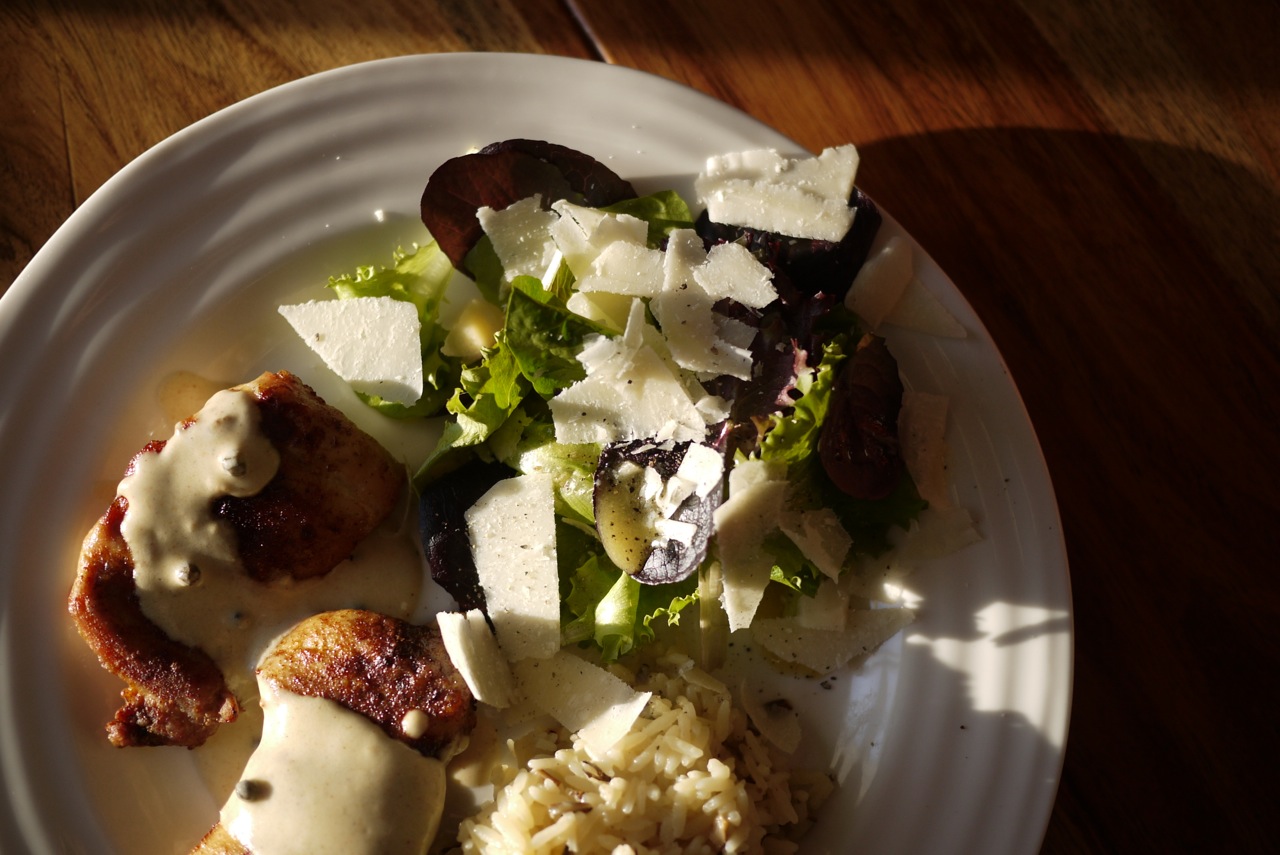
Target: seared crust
[(219, 841), (176, 694), (334, 485), (380, 667)]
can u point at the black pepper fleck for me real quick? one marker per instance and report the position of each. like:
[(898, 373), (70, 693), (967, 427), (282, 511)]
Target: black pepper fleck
[(251, 790)]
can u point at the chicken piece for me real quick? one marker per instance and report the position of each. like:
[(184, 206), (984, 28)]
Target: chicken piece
[(334, 484), (394, 673), (387, 670), (219, 841)]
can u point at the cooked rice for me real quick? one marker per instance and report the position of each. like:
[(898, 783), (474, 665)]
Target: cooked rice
[(692, 775)]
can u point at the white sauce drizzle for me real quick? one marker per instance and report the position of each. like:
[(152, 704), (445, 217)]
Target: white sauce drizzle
[(170, 529), (328, 780), (336, 782), (415, 724)]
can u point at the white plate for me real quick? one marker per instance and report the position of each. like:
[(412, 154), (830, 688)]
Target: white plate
[(948, 741)]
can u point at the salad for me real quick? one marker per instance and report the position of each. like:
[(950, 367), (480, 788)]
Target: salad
[(704, 396)]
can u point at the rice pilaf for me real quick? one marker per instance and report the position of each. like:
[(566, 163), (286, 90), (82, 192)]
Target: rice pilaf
[(692, 775)]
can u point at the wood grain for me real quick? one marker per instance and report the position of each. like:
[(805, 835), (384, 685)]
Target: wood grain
[(1102, 181), (90, 85)]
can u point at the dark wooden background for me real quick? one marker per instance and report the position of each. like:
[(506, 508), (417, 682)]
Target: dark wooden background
[(1102, 181)]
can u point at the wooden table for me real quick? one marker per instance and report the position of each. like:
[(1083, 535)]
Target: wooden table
[(1102, 181)]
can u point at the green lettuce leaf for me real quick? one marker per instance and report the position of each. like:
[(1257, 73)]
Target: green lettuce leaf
[(544, 338), (488, 394), (664, 212), (486, 269), (664, 601), (616, 618), (536, 351), (572, 467), (791, 437), (613, 611), (790, 567)]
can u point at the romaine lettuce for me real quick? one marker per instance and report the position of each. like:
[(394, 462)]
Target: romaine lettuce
[(544, 338), (607, 607)]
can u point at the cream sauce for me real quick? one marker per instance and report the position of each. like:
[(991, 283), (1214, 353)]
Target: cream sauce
[(328, 780), (183, 393), (189, 578), (338, 783)]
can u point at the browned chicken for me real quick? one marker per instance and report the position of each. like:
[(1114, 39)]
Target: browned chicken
[(333, 486), (385, 669), (219, 841), (380, 667)]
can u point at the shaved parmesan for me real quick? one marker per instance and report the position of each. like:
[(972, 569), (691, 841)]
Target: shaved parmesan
[(583, 697), (881, 282), (732, 272), (801, 197), (694, 334), (920, 310), (822, 651), (512, 530), (630, 392), (922, 428), (474, 651), (756, 495), (634, 396), (608, 310), (625, 268), (521, 236), (751, 472), (700, 339), (702, 468), (712, 408), (684, 254), (820, 537), (827, 609), (373, 343), (582, 233)]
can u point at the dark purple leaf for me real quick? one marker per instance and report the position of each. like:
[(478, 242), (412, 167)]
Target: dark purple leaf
[(461, 186), (598, 185), (859, 446), (503, 173)]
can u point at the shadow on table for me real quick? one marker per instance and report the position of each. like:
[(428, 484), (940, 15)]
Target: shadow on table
[(1132, 289)]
